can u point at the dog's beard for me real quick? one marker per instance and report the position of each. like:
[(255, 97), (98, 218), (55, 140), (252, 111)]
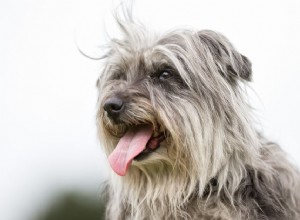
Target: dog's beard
[(177, 121)]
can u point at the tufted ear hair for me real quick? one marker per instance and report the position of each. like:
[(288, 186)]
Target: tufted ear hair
[(230, 62)]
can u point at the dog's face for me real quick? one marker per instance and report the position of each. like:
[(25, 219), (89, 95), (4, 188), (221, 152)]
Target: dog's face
[(164, 100)]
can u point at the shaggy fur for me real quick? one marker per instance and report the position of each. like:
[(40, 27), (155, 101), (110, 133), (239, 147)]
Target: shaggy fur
[(212, 164)]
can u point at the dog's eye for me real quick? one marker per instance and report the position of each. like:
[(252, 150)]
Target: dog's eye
[(164, 75), (118, 76)]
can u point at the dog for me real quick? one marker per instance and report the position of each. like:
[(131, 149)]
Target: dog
[(174, 121)]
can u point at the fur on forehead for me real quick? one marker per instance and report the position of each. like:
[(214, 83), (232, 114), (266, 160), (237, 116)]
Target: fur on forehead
[(202, 54)]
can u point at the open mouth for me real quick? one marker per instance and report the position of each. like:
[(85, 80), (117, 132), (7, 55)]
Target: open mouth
[(136, 144), (152, 145)]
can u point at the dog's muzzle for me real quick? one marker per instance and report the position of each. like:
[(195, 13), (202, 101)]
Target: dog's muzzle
[(137, 141)]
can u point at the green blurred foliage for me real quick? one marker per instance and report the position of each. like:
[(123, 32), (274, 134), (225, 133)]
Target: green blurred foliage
[(74, 206)]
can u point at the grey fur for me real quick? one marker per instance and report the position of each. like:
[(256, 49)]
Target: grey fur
[(213, 164)]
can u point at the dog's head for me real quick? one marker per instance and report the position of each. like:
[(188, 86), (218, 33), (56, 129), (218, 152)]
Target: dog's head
[(171, 101)]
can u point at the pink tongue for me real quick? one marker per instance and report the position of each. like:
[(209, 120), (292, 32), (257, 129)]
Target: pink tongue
[(129, 146)]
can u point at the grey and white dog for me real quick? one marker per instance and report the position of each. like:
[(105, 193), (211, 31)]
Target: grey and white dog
[(179, 136)]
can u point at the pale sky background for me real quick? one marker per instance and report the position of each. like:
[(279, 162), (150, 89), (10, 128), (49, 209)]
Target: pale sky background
[(48, 97)]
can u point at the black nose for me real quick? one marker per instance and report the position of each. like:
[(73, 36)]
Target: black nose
[(113, 106)]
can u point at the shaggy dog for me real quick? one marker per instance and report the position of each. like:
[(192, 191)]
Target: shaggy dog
[(178, 132)]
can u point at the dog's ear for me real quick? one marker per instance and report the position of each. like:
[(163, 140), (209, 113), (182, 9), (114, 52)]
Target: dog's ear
[(231, 63)]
